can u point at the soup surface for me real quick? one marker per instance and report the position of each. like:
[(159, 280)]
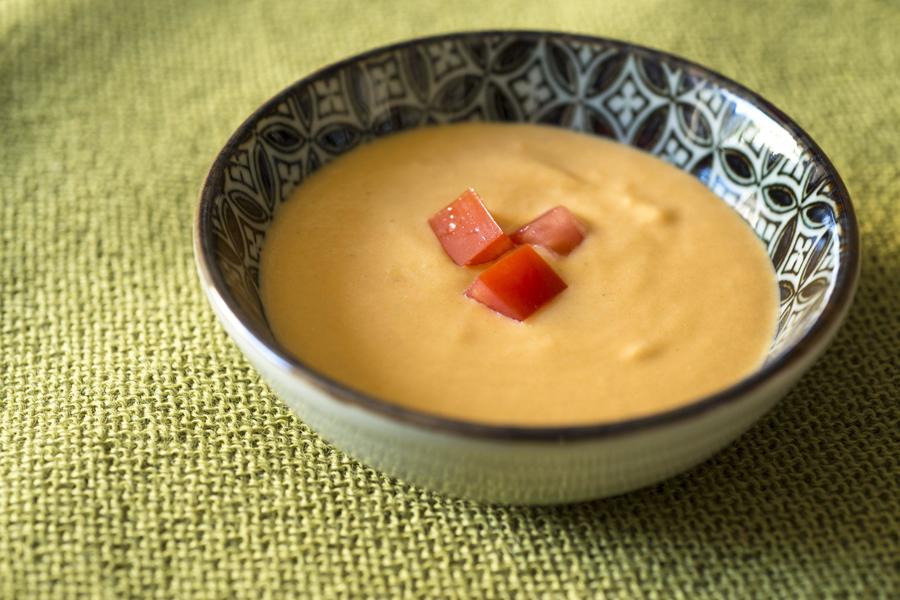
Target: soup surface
[(671, 296)]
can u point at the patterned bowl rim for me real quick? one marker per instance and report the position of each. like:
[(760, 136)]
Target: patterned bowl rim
[(809, 345)]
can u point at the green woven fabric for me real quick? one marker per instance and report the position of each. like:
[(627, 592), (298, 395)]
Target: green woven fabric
[(141, 456)]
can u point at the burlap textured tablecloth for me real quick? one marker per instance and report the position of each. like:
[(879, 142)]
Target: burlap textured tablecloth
[(140, 455)]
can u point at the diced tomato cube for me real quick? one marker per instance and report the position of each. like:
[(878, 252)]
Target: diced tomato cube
[(557, 230), (517, 285), (468, 232)]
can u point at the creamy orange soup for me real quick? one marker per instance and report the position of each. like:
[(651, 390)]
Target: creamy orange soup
[(671, 296)]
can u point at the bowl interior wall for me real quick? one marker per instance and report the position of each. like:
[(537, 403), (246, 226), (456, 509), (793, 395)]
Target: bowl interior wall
[(658, 103)]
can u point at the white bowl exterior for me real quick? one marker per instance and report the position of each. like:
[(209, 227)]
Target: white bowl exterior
[(511, 471)]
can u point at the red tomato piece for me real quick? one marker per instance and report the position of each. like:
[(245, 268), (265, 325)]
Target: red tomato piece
[(517, 285), (468, 232), (557, 230)]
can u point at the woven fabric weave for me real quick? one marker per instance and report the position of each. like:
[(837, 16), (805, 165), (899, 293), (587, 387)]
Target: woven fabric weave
[(141, 456)]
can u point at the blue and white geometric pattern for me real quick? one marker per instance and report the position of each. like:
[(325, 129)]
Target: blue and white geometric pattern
[(655, 103)]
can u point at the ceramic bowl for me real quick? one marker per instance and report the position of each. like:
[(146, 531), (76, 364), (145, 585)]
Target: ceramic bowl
[(744, 149)]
